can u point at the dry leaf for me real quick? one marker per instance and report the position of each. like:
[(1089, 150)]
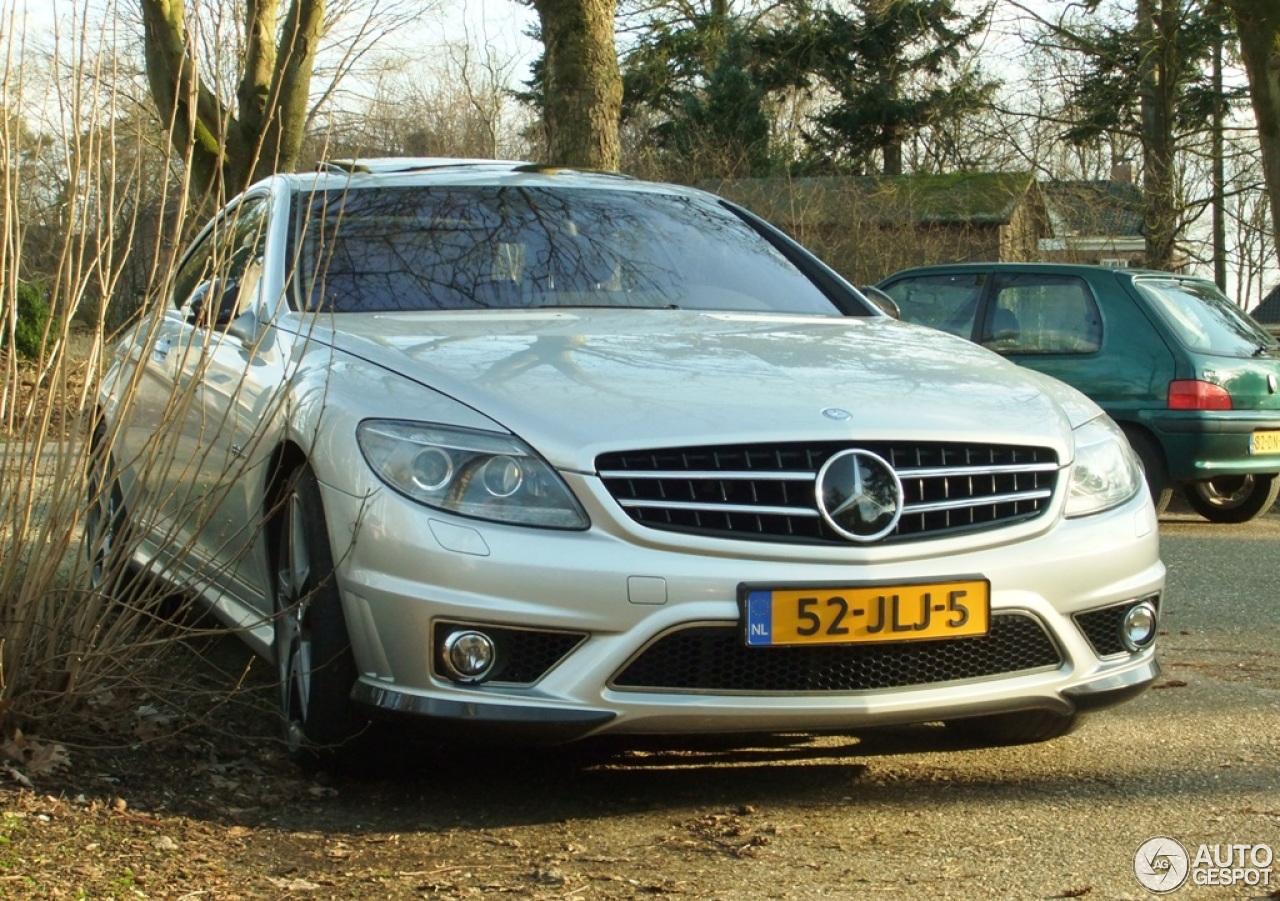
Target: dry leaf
[(18, 777), (293, 885), (47, 758)]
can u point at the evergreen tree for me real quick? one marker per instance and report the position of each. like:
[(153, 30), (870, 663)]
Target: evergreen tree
[(891, 68), (698, 85)]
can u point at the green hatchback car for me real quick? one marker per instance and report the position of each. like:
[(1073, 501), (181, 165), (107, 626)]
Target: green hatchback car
[(1193, 381)]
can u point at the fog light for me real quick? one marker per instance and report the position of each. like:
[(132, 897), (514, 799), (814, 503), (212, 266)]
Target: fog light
[(468, 656), (1138, 629)]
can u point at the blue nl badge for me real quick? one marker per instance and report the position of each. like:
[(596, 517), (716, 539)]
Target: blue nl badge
[(760, 618)]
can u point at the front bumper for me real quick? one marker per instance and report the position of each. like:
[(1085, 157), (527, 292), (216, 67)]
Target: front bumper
[(622, 588)]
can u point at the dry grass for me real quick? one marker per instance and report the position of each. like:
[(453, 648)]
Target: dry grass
[(59, 396), (75, 654)]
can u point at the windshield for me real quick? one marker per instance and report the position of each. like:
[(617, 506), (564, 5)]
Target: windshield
[(1204, 318), (390, 249)]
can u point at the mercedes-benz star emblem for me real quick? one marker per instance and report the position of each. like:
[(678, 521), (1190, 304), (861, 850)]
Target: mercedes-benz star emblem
[(859, 495)]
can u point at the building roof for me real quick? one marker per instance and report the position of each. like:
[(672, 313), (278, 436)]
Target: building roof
[(1094, 208), (957, 199), (1268, 311)]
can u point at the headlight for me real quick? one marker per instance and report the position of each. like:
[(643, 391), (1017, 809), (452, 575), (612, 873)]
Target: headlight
[(481, 474), (1105, 472)]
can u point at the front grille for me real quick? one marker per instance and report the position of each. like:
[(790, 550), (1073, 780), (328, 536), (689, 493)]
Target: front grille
[(715, 659), (1102, 627), (522, 656), (766, 492)]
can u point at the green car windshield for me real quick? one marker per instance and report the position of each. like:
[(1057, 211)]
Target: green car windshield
[(1204, 319)]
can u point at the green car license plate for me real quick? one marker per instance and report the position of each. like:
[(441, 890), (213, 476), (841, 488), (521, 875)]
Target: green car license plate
[(1265, 442)]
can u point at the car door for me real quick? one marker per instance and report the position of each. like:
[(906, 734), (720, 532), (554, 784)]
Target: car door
[(237, 383), (156, 452), (1087, 333), (202, 398)]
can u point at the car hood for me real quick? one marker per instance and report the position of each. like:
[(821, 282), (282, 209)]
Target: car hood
[(578, 383)]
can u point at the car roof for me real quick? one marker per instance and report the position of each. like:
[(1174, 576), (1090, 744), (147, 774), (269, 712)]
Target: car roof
[(402, 171), (1062, 268), (386, 164)]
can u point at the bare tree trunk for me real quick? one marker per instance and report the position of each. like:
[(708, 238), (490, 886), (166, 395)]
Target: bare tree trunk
[(892, 152), (1258, 24), (1158, 88), (227, 149), (1219, 163), (583, 83)]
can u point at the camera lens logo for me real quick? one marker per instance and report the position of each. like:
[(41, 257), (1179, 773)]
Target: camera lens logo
[(1161, 864)]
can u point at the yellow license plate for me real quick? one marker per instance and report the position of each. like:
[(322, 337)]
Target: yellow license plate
[(1265, 443), (866, 614)]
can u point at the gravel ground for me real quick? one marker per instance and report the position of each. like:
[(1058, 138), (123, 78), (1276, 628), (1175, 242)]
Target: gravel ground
[(216, 813)]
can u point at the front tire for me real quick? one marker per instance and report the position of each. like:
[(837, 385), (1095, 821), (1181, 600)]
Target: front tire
[(313, 654), (1233, 499)]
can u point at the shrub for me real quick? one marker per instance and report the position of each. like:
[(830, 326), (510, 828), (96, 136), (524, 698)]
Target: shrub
[(33, 321)]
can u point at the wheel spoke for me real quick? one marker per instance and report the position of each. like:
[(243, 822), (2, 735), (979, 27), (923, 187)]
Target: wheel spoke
[(293, 644), (299, 559), (1227, 491), (301, 667)]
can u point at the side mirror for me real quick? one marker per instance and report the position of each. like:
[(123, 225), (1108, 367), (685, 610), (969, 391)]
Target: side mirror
[(213, 303), (886, 303)]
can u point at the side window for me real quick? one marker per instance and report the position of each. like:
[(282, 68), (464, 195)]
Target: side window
[(946, 302), (194, 271), (222, 273), (1042, 314)]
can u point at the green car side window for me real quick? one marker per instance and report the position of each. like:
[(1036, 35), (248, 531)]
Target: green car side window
[(1042, 314), (946, 302)]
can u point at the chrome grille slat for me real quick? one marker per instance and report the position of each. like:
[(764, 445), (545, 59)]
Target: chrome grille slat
[(972, 470), (971, 502), (712, 474), (767, 492), (722, 508)]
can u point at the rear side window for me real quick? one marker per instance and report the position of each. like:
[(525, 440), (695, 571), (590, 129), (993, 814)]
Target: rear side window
[(1042, 314), (946, 302), (1203, 318)]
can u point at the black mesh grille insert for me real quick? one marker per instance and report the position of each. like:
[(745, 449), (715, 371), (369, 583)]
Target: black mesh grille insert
[(714, 658), (1102, 627), (767, 492), (522, 655)]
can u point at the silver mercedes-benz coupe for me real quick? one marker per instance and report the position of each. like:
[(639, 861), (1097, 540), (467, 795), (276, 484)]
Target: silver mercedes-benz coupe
[(564, 454)]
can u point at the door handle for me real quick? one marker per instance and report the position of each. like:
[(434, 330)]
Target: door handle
[(161, 348)]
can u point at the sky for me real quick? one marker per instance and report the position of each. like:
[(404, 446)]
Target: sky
[(501, 22)]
